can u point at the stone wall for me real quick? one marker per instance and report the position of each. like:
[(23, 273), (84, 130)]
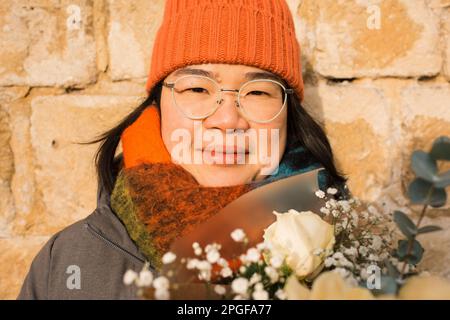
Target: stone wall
[(377, 77)]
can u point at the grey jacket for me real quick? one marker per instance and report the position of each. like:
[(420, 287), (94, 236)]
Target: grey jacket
[(83, 260)]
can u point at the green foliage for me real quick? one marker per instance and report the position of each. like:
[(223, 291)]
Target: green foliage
[(428, 188)]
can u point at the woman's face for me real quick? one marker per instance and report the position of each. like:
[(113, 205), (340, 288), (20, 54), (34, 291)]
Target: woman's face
[(270, 138)]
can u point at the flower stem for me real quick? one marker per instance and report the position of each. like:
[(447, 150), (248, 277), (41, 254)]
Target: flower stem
[(413, 238)]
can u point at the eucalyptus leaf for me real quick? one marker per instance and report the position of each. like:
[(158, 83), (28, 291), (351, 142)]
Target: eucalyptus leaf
[(414, 256), (424, 166), (418, 190), (392, 270), (417, 253), (428, 229), (388, 285), (404, 223), (443, 180), (402, 248), (441, 149), (438, 198)]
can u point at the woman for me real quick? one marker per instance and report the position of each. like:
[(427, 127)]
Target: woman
[(220, 70)]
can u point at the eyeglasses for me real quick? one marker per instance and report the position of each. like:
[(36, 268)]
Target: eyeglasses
[(197, 97)]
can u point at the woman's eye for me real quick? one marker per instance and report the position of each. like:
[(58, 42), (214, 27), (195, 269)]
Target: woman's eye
[(258, 93), (198, 90)]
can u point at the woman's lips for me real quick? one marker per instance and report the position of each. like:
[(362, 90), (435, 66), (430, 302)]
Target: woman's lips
[(236, 157)]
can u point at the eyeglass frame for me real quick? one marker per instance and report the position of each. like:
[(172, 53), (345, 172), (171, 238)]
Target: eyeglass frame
[(171, 85)]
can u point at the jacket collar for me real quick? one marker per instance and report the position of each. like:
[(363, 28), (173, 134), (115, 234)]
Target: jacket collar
[(105, 224)]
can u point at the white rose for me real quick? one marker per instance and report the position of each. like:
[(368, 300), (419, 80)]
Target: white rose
[(297, 235)]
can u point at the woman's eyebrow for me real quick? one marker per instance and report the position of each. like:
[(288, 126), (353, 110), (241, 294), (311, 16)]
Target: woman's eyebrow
[(190, 71), (249, 75), (262, 75)]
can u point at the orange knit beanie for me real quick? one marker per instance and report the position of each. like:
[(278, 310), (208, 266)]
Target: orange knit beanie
[(257, 33)]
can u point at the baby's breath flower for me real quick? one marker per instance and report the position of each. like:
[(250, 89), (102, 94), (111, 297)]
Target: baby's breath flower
[(204, 265), (342, 272), (253, 255), (226, 272), (212, 256), (129, 277), (220, 290), (168, 257), (363, 250), (205, 270), (198, 251), (373, 257), (329, 262), (344, 223), (384, 256), (320, 194), (260, 295), (333, 203), (271, 273), (280, 294), (377, 242), (373, 210), (192, 264), (242, 269), (240, 285), (355, 218), (276, 261), (256, 277), (243, 258), (332, 191), (259, 286), (364, 275), (352, 251), (344, 205), (161, 283), (238, 235), (222, 262), (261, 246), (162, 294), (145, 278), (338, 255)]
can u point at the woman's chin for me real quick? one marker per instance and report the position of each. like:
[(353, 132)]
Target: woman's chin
[(224, 175)]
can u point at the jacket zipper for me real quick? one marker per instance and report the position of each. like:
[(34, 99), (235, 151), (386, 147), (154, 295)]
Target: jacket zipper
[(111, 243)]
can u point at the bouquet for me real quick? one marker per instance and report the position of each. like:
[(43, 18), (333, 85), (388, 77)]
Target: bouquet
[(344, 251)]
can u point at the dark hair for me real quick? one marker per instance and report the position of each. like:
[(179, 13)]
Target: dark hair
[(302, 128)]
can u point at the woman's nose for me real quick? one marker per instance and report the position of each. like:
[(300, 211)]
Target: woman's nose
[(227, 115)]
